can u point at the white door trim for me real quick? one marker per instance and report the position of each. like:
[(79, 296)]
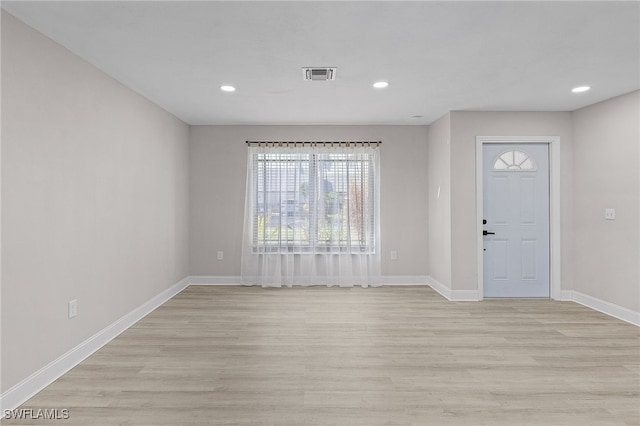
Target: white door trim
[(554, 205)]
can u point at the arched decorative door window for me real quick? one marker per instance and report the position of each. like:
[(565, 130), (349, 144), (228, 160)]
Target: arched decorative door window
[(514, 161)]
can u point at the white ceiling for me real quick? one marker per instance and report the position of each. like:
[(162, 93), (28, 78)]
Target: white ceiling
[(437, 56)]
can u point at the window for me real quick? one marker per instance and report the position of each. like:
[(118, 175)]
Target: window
[(319, 200), (311, 215), (514, 160)]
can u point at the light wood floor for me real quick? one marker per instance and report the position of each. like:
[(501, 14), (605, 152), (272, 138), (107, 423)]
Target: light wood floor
[(336, 356)]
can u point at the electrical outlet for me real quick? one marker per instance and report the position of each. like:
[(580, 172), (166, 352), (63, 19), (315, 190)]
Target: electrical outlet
[(73, 308), (220, 255), (394, 255), (610, 214)]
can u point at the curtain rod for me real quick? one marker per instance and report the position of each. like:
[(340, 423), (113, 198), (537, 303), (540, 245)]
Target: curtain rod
[(294, 143)]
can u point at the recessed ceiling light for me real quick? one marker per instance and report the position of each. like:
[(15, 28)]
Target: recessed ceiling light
[(380, 84), (227, 88), (580, 89)]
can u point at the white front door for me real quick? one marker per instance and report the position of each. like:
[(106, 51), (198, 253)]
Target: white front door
[(516, 211)]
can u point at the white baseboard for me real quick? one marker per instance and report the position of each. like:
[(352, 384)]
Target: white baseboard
[(440, 288), (397, 280), (605, 307), (214, 280), (566, 296), (21, 392), (388, 280), (464, 296), (452, 295), (594, 303)]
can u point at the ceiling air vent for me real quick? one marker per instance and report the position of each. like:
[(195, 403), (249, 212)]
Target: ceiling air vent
[(319, 73)]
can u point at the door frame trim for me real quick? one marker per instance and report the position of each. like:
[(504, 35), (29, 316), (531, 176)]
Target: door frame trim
[(555, 259)]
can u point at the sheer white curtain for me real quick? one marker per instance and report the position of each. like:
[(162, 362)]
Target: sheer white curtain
[(312, 216)]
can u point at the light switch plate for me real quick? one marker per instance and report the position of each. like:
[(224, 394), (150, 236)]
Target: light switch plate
[(610, 214), (73, 308)]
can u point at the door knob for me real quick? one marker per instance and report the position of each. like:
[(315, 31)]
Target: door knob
[(485, 232)]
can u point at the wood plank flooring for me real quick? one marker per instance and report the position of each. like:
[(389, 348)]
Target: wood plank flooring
[(353, 356)]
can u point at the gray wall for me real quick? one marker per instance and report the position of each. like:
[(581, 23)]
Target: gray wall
[(439, 189), (605, 175), (218, 178), (94, 200), (465, 126)]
